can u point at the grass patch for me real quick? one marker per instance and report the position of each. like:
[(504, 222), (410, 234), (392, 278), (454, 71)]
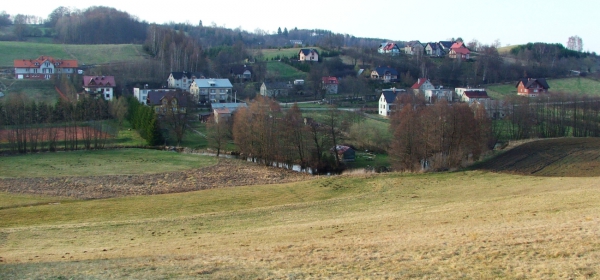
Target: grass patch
[(291, 52), (42, 91), (283, 71), (85, 54), (99, 162)]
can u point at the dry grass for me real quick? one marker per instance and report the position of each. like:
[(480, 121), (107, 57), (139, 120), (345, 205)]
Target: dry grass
[(454, 225)]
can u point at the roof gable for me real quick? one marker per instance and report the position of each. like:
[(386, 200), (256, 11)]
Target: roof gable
[(529, 82), (419, 83), (99, 81), (476, 94), (381, 71), (36, 63)]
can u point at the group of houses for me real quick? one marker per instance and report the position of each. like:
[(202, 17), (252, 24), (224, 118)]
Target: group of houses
[(525, 87), (434, 49)]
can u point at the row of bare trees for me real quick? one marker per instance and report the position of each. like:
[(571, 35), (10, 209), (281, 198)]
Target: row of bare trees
[(27, 126), (265, 133), (555, 115), (441, 136)]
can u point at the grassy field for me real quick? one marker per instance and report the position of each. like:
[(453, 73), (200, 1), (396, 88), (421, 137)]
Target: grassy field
[(272, 53), (284, 72), (567, 85), (85, 54), (451, 225), (39, 90), (99, 162)]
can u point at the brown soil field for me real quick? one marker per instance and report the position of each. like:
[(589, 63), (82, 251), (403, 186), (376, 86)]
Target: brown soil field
[(226, 173), (59, 133), (563, 157)]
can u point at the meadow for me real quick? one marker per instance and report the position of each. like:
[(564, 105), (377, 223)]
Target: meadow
[(465, 224), (282, 52), (84, 54), (567, 85), (39, 90), (283, 72)]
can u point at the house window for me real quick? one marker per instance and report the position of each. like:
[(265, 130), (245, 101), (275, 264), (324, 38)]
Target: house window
[(212, 91)]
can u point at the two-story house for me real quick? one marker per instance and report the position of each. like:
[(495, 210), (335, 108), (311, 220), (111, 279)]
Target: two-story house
[(141, 94), (421, 85), (384, 74), (389, 48), (330, 85), (211, 90), (414, 48), (243, 72), (532, 87), (387, 99), (434, 49), (44, 67), (471, 95), (99, 86), (182, 80), (458, 50), (273, 89), (308, 55), (163, 102)]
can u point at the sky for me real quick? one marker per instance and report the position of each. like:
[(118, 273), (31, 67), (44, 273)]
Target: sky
[(511, 22)]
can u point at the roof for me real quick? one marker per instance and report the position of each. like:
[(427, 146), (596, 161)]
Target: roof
[(529, 82), (240, 69), (391, 94), (232, 107), (388, 46), (330, 80), (155, 97), (189, 75), (433, 45), (308, 51), (476, 94), (382, 70), (459, 47), (58, 63), (446, 44), (419, 83), (98, 81), (341, 149), (213, 83), (222, 111), (276, 85)]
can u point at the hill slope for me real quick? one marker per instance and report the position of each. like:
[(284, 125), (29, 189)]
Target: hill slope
[(568, 157)]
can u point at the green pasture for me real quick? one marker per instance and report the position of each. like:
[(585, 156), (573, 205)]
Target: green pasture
[(284, 72), (85, 54), (99, 162), (577, 85), (281, 52), (42, 91)]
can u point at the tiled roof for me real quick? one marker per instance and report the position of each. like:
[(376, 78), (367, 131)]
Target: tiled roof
[(330, 80), (214, 83), (446, 44), (98, 81), (277, 85), (308, 51), (58, 63), (476, 94), (155, 96), (419, 83), (391, 94), (382, 70), (529, 82)]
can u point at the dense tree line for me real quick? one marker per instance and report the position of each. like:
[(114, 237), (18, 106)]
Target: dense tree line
[(30, 127), (143, 119), (96, 25)]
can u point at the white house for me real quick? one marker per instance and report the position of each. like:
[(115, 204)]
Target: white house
[(471, 95), (387, 99), (422, 85), (308, 55), (182, 80), (211, 90), (433, 95), (389, 48), (99, 86)]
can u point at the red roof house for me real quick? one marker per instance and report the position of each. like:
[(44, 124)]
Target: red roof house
[(458, 49), (44, 67)]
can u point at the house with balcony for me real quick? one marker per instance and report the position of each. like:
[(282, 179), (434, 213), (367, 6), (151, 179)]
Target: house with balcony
[(99, 86), (43, 68), (532, 87), (182, 80), (211, 90)]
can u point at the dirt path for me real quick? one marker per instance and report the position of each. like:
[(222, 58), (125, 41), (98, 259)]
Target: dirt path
[(227, 173)]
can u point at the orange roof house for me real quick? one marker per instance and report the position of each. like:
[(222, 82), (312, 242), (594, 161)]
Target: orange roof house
[(44, 67)]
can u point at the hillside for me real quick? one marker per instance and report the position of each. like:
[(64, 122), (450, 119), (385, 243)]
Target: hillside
[(566, 85), (85, 54), (565, 157)]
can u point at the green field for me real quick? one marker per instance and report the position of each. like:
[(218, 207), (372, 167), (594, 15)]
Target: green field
[(272, 53), (42, 91), (567, 85), (99, 162), (284, 72), (85, 54)]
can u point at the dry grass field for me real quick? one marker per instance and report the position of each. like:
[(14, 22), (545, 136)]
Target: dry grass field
[(468, 224)]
